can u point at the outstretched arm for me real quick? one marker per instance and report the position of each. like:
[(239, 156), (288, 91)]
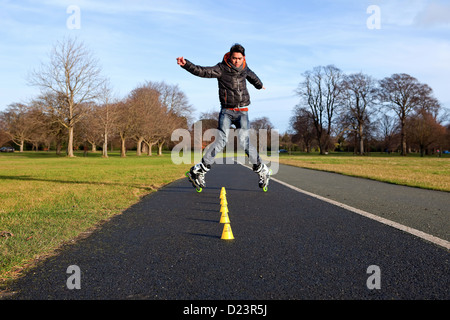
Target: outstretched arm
[(204, 72)]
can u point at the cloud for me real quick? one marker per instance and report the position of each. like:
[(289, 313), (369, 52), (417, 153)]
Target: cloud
[(434, 14), (400, 12)]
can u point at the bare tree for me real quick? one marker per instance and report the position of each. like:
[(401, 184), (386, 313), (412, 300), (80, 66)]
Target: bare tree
[(423, 130), (286, 142), (359, 92), (48, 103), (90, 128), (20, 123), (402, 93), (321, 92), (422, 126), (106, 115), (146, 107), (177, 111), (4, 137), (445, 143), (125, 123), (209, 120), (262, 123), (387, 129), (38, 121), (175, 101), (302, 123), (75, 77), (172, 122)]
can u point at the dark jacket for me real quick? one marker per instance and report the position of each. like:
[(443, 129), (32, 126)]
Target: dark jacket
[(232, 82)]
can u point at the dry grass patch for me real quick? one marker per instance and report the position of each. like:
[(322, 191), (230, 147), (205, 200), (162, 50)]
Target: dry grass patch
[(429, 173)]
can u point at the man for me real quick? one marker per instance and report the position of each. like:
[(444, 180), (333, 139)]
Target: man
[(232, 74)]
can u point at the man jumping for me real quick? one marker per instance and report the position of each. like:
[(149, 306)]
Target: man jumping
[(232, 74)]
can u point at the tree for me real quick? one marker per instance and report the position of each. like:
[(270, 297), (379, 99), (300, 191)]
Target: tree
[(402, 93), (387, 130), (423, 130), (90, 128), (422, 126), (175, 101), (359, 92), (302, 123), (262, 123), (286, 142), (37, 120), (74, 76), (149, 118), (321, 91), (48, 104), (20, 123), (208, 120), (125, 123), (445, 142), (4, 138), (177, 111), (106, 115)]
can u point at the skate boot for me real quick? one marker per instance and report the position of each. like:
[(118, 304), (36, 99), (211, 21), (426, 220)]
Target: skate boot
[(264, 175), (197, 175)]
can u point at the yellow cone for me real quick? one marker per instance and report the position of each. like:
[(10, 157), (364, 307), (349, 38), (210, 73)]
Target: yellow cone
[(223, 209), (222, 193), (227, 234), (224, 217), (223, 202)]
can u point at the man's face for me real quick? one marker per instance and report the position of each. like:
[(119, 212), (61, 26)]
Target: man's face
[(237, 59)]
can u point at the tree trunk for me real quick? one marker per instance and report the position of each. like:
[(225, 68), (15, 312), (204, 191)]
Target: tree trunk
[(123, 150), (319, 141), (149, 150), (105, 146), (70, 143), (139, 146), (160, 145), (58, 147), (403, 137), (361, 140)]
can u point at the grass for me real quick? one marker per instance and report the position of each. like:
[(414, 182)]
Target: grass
[(427, 172), (47, 200)]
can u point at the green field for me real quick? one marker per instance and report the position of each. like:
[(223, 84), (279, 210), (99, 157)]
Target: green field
[(48, 200)]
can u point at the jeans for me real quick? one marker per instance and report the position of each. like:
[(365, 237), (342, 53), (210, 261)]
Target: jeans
[(227, 118)]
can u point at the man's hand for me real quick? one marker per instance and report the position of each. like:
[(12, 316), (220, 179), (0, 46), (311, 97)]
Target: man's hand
[(181, 61)]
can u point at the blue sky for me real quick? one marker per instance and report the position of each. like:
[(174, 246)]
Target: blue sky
[(137, 41)]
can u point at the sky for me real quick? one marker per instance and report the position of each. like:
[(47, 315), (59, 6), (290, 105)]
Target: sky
[(137, 41)]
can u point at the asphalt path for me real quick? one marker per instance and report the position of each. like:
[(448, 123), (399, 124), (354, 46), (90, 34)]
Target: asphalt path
[(287, 245), (424, 210)]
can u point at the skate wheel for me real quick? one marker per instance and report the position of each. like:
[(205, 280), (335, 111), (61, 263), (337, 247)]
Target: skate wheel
[(199, 190), (265, 189)]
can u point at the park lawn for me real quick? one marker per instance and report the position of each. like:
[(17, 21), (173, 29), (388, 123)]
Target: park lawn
[(424, 172), (46, 200)]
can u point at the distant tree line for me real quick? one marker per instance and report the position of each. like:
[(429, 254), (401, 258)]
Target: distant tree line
[(356, 112), (76, 108)]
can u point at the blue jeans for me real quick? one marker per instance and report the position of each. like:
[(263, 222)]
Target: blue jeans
[(227, 118)]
